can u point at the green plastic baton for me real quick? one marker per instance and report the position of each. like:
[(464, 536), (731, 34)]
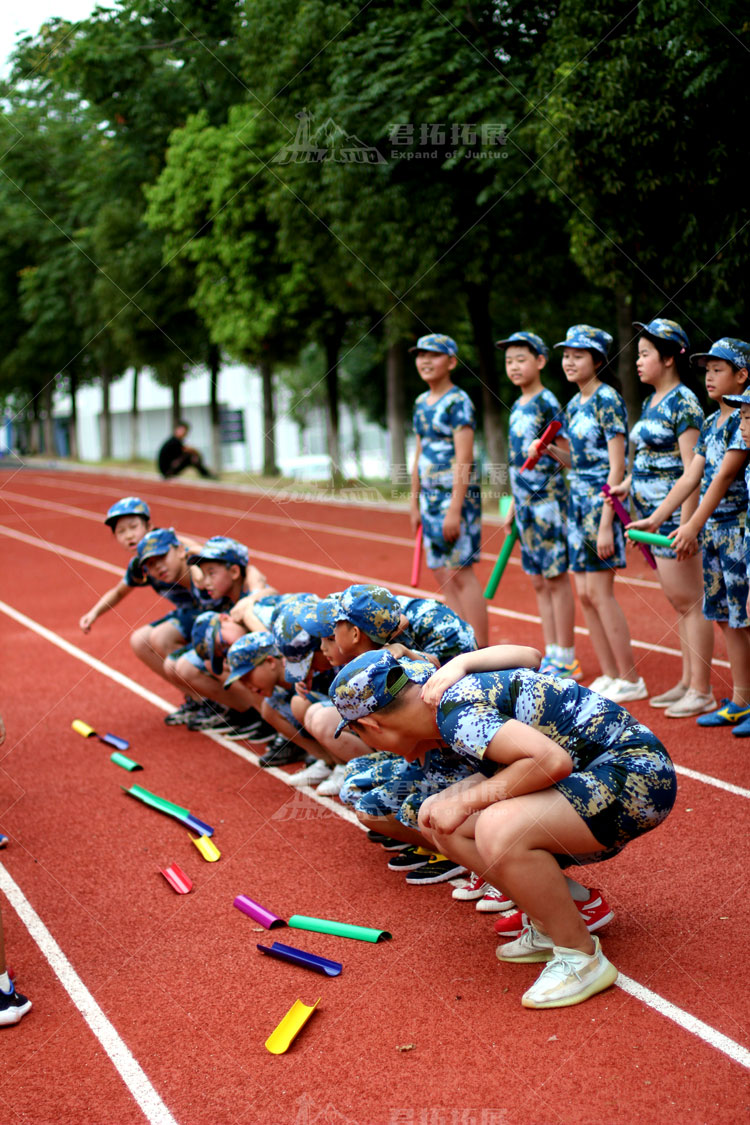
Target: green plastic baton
[(649, 537), (340, 929), (126, 763), (505, 550)]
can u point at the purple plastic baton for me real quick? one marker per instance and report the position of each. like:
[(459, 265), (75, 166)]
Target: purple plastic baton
[(624, 516), (258, 913)]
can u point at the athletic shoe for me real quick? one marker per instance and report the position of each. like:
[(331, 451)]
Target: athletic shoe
[(594, 911), (248, 725), (332, 785), (692, 703), (3, 841), (13, 1007), (624, 691), (531, 945), (438, 869), (471, 888), (184, 711), (727, 715), (742, 730), (310, 775), (568, 671), (281, 752), (493, 901), (547, 666), (208, 716), (601, 684), (570, 978), (409, 859), (667, 698)]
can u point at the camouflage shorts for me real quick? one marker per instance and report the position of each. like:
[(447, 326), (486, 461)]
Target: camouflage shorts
[(725, 576), (541, 530), (395, 787)]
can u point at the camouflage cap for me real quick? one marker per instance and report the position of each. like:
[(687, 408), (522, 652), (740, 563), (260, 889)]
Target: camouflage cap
[(373, 609), (247, 653), (219, 548), (157, 542), (296, 644), (737, 400), (436, 342), (206, 640), (736, 352), (128, 506), (528, 339), (665, 330), (588, 338), (319, 618), (362, 687)]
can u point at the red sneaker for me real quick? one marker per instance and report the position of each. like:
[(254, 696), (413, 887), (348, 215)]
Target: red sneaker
[(594, 911), (494, 901)]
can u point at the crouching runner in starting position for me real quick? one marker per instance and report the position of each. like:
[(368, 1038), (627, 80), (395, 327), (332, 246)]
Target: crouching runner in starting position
[(577, 778)]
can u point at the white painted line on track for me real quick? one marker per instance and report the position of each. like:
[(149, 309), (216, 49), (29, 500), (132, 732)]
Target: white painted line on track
[(327, 572), (115, 1048), (715, 781), (650, 999), (704, 1031)]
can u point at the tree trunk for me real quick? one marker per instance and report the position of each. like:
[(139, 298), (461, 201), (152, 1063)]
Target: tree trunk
[(48, 421), (73, 428), (34, 428), (176, 407), (269, 420), (395, 369), (626, 371), (105, 418), (135, 418), (478, 298), (214, 365), (333, 345)]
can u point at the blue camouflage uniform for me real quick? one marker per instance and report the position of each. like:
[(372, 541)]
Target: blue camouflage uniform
[(188, 603), (540, 493), (658, 463)]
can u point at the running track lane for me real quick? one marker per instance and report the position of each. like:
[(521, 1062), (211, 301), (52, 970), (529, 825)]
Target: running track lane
[(440, 891)]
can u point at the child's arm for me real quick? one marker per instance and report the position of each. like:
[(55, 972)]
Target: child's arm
[(678, 493), (685, 538), (414, 513), (605, 540), (559, 451), (107, 601), (492, 659), (463, 445)]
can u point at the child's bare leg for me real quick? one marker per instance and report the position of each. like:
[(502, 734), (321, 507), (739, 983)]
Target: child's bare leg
[(153, 643), (193, 681), (682, 583), (546, 612), (602, 647), (390, 826), (464, 595), (563, 609), (600, 589), (321, 723), (738, 651), (299, 738)]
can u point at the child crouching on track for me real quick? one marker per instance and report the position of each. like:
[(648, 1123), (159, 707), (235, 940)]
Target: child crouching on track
[(575, 779), (540, 502)]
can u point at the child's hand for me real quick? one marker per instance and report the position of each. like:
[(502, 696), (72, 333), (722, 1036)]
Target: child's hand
[(256, 581), (238, 610), (605, 543), (445, 816), (451, 526), (533, 450), (440, 681), (684, 541), (86, 622), (622, 489), (647, 524)]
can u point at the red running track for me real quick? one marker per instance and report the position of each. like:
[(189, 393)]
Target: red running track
[(180, 1000)]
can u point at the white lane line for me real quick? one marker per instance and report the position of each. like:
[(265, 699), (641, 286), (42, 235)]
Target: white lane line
[(279, 521), (327, 572), (697, 1027), (708, 780), (651, 999), (115, 1048)]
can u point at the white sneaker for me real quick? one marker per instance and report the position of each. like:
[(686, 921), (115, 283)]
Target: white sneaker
[(310, 775), (623, 691), (469, 889), (601, 683), (331, 786), (692, 703), (494, 901), (667, 698), (532, 945), (569, 978)]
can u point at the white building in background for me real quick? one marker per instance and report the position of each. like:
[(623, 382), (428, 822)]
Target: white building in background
[(301, 451)]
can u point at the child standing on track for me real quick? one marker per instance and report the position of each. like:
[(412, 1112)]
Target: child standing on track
[(720, 459), (13, 1006), (742, 729), (446, 499), (596, 425), (664, 439), (540, 502)]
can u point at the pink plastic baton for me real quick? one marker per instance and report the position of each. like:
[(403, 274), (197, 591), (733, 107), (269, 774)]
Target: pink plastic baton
[(416, 562), (624, 516), (258, 913), (548, 436)]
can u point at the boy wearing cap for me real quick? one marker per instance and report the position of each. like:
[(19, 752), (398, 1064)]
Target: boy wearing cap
[(445, 496), (720, 458), (578, 779), (742, 729), (540, 501)]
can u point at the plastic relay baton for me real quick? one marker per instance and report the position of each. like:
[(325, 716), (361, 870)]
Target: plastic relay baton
[(505, 551), (546, 439), (649, 537), (624, 516)]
